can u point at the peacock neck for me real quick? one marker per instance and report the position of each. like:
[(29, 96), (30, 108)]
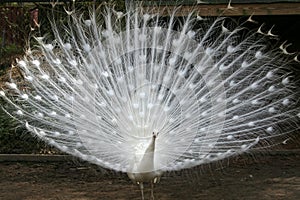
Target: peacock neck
[(147, 162), (151, 148)]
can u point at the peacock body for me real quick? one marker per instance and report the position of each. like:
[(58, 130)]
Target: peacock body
[(103, 89)]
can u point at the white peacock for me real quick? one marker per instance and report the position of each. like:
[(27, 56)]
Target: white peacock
[(155, 95)]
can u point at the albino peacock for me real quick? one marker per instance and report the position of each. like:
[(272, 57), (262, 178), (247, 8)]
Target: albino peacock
[(105, 87)]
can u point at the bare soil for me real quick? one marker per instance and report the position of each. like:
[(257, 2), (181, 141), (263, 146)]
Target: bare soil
[(261, 177)]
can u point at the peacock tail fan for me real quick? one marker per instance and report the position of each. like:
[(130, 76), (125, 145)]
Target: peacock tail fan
[(108, 80)]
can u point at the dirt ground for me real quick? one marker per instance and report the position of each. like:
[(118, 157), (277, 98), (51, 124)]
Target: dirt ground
[(264, 177)]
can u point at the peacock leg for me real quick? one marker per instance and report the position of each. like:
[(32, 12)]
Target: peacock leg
[(152, 190), (142, 190)]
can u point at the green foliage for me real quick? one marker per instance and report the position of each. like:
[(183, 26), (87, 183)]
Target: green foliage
[(10, 50)]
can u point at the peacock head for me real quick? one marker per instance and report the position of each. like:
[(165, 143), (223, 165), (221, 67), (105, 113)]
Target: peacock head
[(154, 135)]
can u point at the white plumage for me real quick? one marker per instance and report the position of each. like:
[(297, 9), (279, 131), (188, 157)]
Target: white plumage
[(100, 89)]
